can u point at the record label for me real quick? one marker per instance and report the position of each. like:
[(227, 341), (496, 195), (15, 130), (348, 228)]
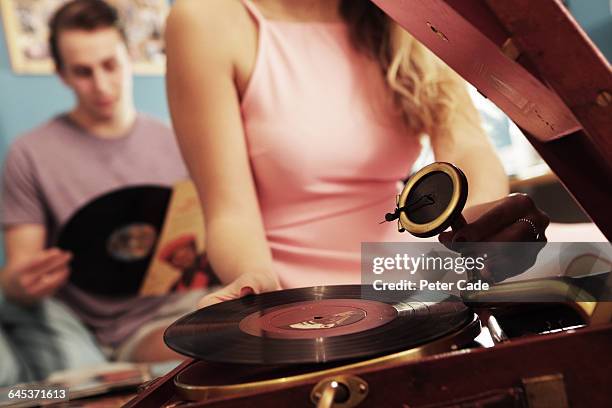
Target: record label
[(312, 319), (132, 242)]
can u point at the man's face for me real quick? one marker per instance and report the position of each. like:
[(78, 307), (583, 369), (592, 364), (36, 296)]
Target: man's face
[(97, 68)]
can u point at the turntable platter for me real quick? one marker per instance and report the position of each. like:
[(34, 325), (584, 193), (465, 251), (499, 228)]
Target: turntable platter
[(316, 325)]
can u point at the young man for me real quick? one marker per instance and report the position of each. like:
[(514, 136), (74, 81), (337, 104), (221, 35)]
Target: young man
[(100, 145)]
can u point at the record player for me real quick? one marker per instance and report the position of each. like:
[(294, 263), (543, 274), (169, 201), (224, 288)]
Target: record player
[(531, 61), (382, 351)]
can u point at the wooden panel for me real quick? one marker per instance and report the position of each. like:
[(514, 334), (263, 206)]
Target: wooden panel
[(563, 55), (452, 30), (552, 47)]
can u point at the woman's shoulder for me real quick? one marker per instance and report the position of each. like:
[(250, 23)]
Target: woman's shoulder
[(218, 34), (209, 16), (216, 26)]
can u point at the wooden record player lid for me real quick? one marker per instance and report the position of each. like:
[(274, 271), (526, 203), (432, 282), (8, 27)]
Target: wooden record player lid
[(534, 61)]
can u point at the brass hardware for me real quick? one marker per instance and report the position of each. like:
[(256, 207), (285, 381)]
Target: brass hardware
[(604, 98), (400, 228), (541, 288), (601, 312), (343, 391), (437, 32), (415, 228), (146, 385), (546, 391), (510, 49), (176, 404)]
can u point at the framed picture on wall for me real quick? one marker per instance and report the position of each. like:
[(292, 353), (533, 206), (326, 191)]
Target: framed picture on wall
[(26, 32)]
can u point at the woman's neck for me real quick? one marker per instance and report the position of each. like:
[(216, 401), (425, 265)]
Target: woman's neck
[(301, 10)]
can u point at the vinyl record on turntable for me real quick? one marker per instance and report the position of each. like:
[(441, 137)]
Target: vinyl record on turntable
[(315, 325), (112, 239)]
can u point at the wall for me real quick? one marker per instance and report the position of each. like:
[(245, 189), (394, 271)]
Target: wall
[(595, 16)]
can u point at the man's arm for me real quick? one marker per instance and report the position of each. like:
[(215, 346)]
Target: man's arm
[(31, 272)]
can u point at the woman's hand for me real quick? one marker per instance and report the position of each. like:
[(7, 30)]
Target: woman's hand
[(247, 284), (514, 218)]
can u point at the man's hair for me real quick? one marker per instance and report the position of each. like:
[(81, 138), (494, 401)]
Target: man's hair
[(81, 15)]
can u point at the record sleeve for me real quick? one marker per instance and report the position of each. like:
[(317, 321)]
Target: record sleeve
[(142, 240)]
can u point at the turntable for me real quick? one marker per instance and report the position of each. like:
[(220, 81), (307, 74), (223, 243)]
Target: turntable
[(345, 346), (531, 62)]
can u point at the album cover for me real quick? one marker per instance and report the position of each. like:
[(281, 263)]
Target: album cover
[(179, 261), (146, 240)]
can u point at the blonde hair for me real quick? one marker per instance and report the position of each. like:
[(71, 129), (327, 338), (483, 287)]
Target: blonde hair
[(421, 85)]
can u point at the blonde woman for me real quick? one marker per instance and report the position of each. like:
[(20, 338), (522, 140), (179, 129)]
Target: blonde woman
[(297, 119)]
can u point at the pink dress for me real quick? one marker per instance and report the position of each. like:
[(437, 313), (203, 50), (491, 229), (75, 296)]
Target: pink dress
[(326, 149)]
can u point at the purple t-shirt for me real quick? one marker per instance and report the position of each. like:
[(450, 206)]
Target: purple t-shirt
[(55, 169)]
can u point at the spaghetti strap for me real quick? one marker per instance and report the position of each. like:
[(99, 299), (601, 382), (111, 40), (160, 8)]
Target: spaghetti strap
[(254, 11)]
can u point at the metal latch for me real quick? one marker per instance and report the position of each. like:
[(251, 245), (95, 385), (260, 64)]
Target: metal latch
[(343, 391), (545, 391)]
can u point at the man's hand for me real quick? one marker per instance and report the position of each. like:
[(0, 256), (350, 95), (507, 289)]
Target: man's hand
[(514, 218), (28, 281), (247, 284)]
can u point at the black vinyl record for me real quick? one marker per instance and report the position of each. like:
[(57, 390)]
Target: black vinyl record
[(316, 325), (112, 239)]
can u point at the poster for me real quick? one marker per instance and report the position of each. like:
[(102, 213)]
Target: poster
[(26, 31)]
